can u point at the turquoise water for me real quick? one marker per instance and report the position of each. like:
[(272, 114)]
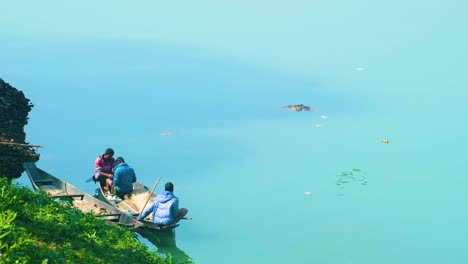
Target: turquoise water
[(242, 164)]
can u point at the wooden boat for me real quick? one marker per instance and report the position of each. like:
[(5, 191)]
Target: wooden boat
[(85, 202), (133, 204)]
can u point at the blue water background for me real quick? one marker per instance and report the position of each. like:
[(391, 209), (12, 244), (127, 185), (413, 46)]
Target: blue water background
[(242, 164)]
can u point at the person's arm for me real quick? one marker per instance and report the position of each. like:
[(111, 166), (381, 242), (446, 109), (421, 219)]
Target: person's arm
[(148, 210), (98, 168), (108, 175), (116, 179), (133, 176), (175, 208), (97, 164)]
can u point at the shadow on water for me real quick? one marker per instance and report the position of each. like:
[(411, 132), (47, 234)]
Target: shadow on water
[(166, 243)]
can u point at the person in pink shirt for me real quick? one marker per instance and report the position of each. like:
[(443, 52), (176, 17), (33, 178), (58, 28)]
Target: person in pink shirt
[(104, 168)]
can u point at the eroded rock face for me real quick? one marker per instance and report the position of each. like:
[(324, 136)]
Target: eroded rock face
[(14, 109)]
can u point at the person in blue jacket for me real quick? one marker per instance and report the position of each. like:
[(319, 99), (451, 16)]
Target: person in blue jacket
[(165, 209), (124, 176)]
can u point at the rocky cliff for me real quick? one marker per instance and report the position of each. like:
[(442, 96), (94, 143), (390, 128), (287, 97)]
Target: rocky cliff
[(14, 110)]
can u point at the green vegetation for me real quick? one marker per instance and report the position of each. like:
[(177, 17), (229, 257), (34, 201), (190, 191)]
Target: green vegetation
[(36, 229)]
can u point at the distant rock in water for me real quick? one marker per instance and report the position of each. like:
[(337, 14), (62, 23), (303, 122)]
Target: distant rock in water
[(298, 108), (14, 110)]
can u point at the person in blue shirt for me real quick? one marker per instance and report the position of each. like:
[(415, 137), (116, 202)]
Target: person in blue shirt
[(165, 209), (124, 176)]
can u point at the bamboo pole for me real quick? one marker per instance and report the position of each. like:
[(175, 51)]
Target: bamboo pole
[(21, 144), (149, 197)]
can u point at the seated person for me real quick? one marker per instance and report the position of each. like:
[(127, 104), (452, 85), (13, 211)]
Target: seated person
[(103, 168), (165, 210), (124, 176)]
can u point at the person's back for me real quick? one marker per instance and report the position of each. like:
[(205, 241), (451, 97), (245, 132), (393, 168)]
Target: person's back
[(165, 210), (168, 208), (123, 177)]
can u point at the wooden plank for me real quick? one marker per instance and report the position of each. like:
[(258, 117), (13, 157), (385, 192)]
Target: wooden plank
[(111, 215), (70, 196), (160, 227), (43, 182), (21, 144)]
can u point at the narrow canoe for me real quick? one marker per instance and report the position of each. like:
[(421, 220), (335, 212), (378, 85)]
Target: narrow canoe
[(85, 202)]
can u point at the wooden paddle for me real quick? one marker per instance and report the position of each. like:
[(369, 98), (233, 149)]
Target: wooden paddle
[(149, 197)]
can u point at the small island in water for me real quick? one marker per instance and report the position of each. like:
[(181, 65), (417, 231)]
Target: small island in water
[(298, 108)]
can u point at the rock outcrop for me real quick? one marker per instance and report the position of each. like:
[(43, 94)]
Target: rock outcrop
[(298, 108), (14, 110)]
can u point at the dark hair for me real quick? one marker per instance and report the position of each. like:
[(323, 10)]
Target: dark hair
[(169, 187), (109, 151), (120, 159)]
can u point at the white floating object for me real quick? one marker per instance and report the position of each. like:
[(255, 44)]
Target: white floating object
[(165, 134), (359, 68), (307, 193), (324, 116), (318, 125)]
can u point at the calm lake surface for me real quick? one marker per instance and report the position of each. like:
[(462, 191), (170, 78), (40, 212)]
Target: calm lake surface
[(265, 184)]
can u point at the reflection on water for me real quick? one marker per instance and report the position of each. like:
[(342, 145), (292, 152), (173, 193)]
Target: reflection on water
[(166, 243)]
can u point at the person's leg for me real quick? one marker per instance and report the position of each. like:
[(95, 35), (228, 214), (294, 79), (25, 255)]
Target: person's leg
[(121, 195), (182, 213), (102, 180), (109, 184)]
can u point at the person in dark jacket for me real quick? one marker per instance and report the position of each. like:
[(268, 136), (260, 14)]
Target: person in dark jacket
[(124, 176), (165, 210)]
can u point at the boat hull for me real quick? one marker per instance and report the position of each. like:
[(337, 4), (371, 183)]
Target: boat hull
[(85, 202)]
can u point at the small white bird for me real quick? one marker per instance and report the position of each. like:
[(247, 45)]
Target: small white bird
[(307, 193), (324, 116), (318, 125), (165, 134)]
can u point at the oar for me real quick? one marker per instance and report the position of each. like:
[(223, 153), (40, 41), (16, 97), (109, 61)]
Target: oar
[(187, 218), (90, 179), (143, 208)]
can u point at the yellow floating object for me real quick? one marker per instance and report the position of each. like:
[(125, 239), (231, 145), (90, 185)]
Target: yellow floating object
[(385, 141)]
